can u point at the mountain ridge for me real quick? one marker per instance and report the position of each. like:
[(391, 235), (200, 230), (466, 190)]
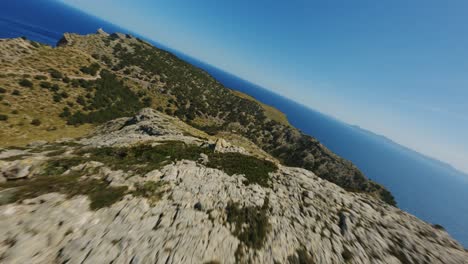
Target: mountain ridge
[(159, 79)]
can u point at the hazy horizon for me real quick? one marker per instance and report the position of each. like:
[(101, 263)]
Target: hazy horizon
[(394, 69)]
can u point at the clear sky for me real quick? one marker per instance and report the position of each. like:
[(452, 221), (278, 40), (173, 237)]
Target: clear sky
[(398, 68)]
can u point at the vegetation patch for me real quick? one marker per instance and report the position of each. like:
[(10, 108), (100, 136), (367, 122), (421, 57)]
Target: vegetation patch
[(55, 74), (151, 190), (57, 167), (251, 225), (26, 83), (112, 99), (36, 122), (255, 170), (91, 69), (100, 194), (302, 256), (145, 158)]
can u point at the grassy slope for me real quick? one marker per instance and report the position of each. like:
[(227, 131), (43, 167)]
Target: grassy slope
[(36, 102)]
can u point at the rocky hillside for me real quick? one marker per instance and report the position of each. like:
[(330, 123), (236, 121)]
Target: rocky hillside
[(152, 189), (48, 93)]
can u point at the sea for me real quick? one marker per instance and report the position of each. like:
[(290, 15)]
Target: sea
[(427, 188)]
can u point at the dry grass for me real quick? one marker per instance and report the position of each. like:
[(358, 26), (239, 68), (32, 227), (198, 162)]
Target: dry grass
[(36, 102), (248, 145)]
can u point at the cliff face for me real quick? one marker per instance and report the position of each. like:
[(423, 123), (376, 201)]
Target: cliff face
[(88, 80), (152, 189)]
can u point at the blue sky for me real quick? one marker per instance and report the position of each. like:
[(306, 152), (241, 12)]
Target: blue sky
[(398, 68)]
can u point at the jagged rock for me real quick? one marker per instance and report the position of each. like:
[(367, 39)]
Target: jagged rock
[(65, 40), (222, 146), (18, 169), (100, 31), (204, 158)]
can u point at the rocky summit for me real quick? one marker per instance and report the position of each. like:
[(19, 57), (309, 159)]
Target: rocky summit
[(151, 189)]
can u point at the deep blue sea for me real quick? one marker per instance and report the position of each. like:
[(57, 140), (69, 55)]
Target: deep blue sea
[(427, 188)]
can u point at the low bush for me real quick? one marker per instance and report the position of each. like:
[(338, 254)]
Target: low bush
[(3, 117), (36, 122), (91, 69), (26, 83), (251, 224), (40, 77), (46, 85), (151, 190), (99, 192), (57, 98), (112, 99), (55, 74), (255, 170)]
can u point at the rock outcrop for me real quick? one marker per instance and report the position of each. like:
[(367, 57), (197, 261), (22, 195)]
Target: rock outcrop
[(189, 211)]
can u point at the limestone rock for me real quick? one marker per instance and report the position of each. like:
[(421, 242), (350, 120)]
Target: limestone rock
[(222, 146), (100, 31), (65, 40), (19, 169)]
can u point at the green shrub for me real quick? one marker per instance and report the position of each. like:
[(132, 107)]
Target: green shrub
[(111, 100), (98, 191), (145, 158), (46, 85), (151, 190), (251, 223), (255, 170), (3, 117), (55, 74), (80, 100), (55, 88), (147, 101), (57, 98), (16, 92), (64, 94), (36, 122), (66, 112), (2, 90), (40, 77), (26, 83), (91, 69)]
